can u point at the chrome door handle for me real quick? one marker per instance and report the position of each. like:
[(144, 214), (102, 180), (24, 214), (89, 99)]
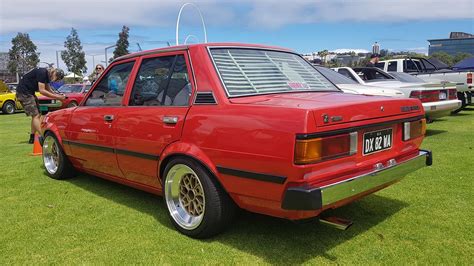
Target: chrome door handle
[(170, 120), (108, 118)]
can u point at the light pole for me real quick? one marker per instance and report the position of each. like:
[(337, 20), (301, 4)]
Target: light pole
[(93, 58), (50, 65), (57, 58), (108, 47)]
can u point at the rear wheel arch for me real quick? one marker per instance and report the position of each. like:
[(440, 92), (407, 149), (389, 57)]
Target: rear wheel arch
[(172, 156)]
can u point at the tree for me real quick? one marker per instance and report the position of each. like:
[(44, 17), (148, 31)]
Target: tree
[(443, 57), (323, 54), (22, 55), (460, 56), (121, 47), (73, 56)]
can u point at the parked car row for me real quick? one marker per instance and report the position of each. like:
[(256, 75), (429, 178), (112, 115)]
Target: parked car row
[(9, 104), (218, 127), (438, 99)]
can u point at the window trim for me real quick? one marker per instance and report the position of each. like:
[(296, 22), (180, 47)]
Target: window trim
[(189, 68), (208, 48), (106, 71)]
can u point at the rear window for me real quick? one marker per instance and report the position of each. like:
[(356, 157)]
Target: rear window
[(253, 71)]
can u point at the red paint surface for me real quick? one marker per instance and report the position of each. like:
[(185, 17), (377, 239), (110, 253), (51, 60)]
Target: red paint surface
[(254, 134)]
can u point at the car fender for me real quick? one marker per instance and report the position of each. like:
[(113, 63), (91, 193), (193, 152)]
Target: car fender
[(189, 150)]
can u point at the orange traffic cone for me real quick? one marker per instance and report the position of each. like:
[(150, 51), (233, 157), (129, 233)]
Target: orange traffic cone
[(37, 149)]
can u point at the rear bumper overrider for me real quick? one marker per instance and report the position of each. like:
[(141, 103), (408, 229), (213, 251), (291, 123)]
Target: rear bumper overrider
[(301, 198)]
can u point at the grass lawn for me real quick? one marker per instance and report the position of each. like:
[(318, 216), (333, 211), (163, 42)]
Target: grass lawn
[(427, 218)]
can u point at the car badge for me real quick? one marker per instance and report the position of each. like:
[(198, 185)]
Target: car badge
[(381, 108), (325, 118)]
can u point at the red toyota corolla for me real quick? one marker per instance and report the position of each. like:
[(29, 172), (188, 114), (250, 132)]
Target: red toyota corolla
[(74, 92), (216, 127)]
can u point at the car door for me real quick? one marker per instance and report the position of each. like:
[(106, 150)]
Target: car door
[(91, 130), (155, 115)]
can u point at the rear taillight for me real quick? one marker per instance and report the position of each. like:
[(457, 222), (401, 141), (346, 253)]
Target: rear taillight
[(469, 78), (426, 96), (452, 94), (415, 129), (320, 149)]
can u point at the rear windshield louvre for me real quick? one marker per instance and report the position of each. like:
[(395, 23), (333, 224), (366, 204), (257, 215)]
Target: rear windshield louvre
[(254, 71)]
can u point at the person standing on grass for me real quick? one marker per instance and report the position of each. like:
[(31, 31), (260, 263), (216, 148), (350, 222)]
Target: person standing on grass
[(37, 79)]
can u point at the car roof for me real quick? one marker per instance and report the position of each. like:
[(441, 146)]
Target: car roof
[(206, 45)]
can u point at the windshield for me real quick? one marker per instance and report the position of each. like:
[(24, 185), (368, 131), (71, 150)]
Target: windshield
[(70, 88), (254, 71), (404, 77), (335, 77)]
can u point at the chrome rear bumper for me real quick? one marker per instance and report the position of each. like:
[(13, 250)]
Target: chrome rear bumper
[(302, 198)]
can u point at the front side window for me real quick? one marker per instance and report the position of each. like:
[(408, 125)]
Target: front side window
[(254, 71), (162, 81), (110, 90)]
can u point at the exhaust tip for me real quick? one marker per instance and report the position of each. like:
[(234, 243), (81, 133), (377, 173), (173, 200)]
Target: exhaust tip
[(336, 222)]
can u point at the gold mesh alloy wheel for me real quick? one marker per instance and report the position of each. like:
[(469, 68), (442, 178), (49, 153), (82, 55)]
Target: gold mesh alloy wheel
[(184, 195)]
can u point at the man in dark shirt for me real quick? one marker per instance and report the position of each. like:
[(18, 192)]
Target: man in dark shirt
[(37, 79), (374, 59)]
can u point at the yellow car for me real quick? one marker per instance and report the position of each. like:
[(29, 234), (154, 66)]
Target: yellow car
[(8, 101)]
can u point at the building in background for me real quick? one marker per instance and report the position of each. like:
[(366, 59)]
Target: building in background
[(458, 42), (376, 48)]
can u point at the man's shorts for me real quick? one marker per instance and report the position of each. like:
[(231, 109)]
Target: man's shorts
[(30, 103)]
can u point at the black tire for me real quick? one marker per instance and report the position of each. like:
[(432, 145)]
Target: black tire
[(8, 108), (64, 168), (462, 98), (219, 209), (72, 104)]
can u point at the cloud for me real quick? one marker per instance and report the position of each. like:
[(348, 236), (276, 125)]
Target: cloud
[(27, 15), (275, 14)]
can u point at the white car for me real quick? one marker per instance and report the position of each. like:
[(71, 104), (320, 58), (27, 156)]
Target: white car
[(433, 70), (438, 99), (348, 85)]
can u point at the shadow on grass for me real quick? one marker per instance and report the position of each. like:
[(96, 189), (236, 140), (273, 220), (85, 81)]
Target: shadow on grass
[(279, 241), (432, 132), (274, 240), (462, 113), (468, 109), (133, 198)]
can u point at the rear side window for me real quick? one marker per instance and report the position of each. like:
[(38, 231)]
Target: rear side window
[(392, 66), (412, 66), (162, 81), (380, 65), (110, 90), (254, 71)]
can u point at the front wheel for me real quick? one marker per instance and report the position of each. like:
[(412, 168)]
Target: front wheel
[(55, 162), (8, 108), (197, 205)]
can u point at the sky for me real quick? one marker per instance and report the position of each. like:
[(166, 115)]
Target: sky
[(302, 25)]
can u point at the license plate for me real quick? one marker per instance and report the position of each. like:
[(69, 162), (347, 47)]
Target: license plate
[(442, 96), (43, 108), (376, 141)]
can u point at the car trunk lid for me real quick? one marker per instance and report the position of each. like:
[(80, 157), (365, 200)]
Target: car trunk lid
[(330, 108)]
